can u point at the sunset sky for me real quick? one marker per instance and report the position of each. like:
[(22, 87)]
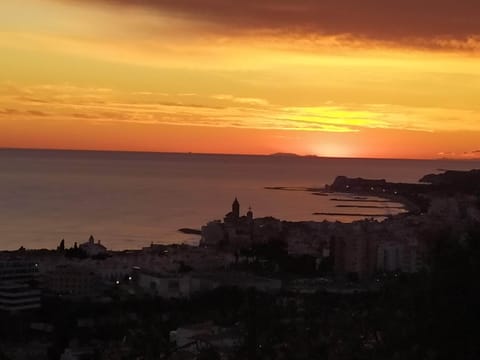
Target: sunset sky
[(349, 78)]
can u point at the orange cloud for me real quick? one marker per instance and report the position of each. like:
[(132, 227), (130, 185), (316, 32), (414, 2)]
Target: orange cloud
[(352, 78)]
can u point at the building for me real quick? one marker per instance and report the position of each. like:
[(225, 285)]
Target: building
[(367, 247), (93, 248), (194, 337), (18, 285), (16, 296), (239, 231), (352, 252), (213, 233), (171, 286), (399, 256), (176, 286), (16, 270), (73, 281)]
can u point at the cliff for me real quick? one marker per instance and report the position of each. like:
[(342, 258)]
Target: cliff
[(463, 181)]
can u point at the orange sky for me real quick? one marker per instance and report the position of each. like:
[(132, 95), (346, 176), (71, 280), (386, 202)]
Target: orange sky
[(329, 78)]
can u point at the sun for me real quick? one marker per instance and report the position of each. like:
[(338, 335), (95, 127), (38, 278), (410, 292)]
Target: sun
[(332, 150)]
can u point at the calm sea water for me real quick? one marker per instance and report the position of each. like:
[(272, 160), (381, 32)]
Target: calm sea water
[(129, 200)]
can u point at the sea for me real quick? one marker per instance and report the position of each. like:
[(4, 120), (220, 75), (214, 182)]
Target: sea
[(131, 200)]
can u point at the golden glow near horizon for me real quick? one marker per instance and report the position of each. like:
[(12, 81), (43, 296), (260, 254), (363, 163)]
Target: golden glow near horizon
[(104, 75)]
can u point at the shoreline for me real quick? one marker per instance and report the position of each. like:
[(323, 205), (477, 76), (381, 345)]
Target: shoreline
[(401, 202), (404, 204)]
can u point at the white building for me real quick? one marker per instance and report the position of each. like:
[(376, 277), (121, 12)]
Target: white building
[(93, 248), (17, 297), (16, 290)]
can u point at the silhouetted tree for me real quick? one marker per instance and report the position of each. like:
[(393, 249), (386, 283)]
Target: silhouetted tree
[(76, 252)]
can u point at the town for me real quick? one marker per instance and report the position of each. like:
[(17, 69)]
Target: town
[(256, 288)]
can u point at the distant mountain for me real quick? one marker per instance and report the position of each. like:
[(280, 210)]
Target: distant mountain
[(281, 154), (293, 155)]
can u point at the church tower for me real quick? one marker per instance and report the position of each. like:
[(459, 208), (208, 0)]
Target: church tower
[(236, 209)]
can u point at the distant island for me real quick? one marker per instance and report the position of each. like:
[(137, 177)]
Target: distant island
[(292, 155), (283, 154)]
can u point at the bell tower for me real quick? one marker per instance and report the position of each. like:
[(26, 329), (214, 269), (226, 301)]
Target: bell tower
[(236, 209)]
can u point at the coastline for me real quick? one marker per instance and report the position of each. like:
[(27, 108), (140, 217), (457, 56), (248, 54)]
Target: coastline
[(400, 202)]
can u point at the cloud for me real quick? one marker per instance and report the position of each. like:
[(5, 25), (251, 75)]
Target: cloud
[(241, 100), (472, 154), (36, 113), (84, 116), (426, 23), (9, 112), (467, 155), (223, 110), (29, 113)]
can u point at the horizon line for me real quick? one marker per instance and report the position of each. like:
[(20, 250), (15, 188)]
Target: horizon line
[(275, 154)]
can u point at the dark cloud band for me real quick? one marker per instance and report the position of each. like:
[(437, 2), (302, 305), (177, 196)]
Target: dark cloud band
[(418, 21)]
